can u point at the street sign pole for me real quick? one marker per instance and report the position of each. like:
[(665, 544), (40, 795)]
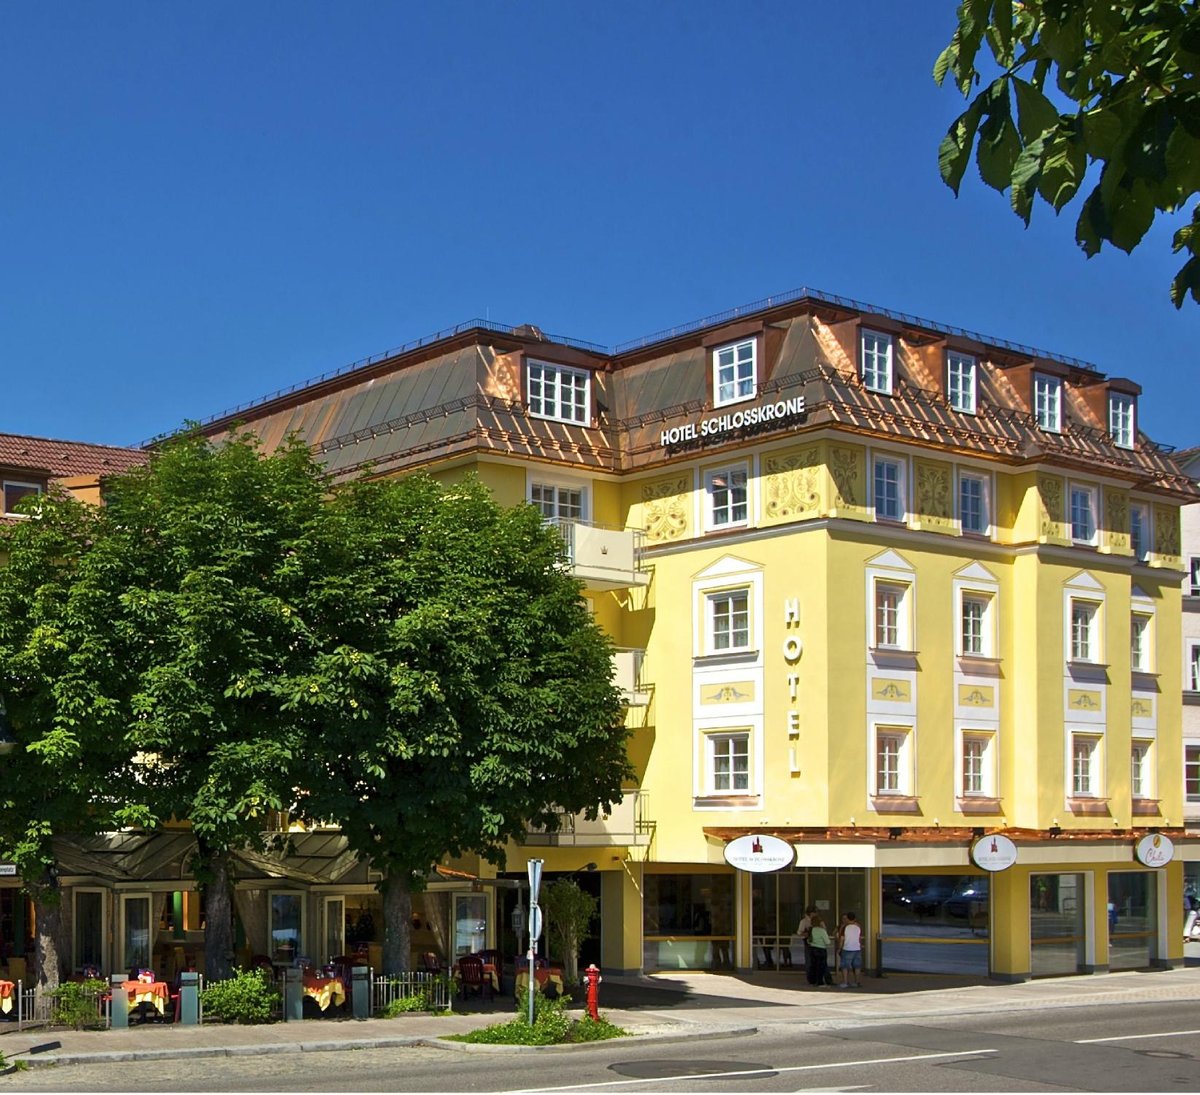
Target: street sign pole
[(535, 928)]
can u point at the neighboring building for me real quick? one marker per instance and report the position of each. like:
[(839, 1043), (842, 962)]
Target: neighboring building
[(878, 586), (1189, 461)]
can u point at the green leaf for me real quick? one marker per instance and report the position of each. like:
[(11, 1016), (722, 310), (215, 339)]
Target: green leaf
[(1063, 168), (1036, 115), (1186, 283), (1092, 227), (944, 60), (955, 151), (1026, 173), (1131, 212), (997, 152)]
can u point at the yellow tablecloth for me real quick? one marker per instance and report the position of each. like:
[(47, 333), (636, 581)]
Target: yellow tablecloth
[(7, 992), (148, 992), (325, 990), (543, 976)]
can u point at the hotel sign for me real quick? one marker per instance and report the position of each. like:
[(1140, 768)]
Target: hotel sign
[(8, 870), (759, 853), (710, 429), (994, 853)]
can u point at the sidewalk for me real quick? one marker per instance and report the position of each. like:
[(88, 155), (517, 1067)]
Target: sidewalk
[(675, 1006)]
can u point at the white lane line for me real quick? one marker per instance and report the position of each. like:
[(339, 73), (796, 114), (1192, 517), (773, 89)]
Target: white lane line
[(1132, 1037), (762, 1071)]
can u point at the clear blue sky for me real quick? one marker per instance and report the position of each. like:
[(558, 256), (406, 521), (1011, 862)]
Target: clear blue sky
[(202, 203)]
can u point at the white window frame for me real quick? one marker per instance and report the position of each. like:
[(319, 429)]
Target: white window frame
[(898, 465), (302, 937), (1083, 622), (34, 488), (1085, 517), (986, 740), (725, 741), (985, 644), (891, 615), (983, 482), (876, 361), (721, 605), (900, 781), (721, 506), (1047, 402), (1089, 745), (1193, 576), (1141, 642), (552, 508), (1122, 419), (558, 393), (1191, 759), (1141, 768), (961, 373), (1193, 667), (1141, 552), (738, 387)]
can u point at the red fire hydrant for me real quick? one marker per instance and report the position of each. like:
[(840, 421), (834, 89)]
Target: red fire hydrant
[(593, 990)]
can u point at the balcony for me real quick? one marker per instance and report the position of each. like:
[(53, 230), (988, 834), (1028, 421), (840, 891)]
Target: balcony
[(627, 676), (603, 558), (626, 826)]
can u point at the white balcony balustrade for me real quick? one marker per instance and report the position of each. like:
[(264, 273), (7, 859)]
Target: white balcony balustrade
[(603, 558)]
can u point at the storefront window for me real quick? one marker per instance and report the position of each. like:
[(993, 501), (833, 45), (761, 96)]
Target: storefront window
[(688, 921), (1132, 934), (286, 909), (135, 932), (470, 923), (1057, 928), (935, 923), (89, 929)]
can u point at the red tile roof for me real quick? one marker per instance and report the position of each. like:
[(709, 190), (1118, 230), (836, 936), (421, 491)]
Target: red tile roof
[(66, 458)]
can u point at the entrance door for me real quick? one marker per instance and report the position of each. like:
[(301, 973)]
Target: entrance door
[(470, 924), (135, 931), (89, 929), (1132, 919), (1057, 924), (335, 927)]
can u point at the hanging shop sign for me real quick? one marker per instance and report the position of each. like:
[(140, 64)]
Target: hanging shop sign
[(994, 853), (765, 414), (1155, 850), (759, 853)]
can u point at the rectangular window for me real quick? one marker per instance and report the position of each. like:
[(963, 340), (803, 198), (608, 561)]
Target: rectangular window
[(892, 761), (1139, 642), (1120, 420), (730, 758), (960, 382), (1140, 784), (1194, 669), (1139, 531), (1085, 769), (1083, 515), (1047, 402), (1084, 643), (734, 373), (1194, 576), (974, 626), (1191, 773), (976, 765), (889, 615), (972, 504), (557, 503), (877, 362), (889, 489), (726, 491), (729, 620), (14, 492), (558, 392)]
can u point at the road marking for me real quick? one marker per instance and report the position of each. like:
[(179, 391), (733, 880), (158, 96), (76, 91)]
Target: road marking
[(1131, 1037), (763, 1071)]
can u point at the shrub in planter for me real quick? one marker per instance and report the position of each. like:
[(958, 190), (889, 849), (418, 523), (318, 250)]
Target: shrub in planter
[(77, 1004), (247, 997)]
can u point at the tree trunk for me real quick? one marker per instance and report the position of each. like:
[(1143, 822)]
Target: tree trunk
[(571, 956), (218, 913), (397, 925), (52, 947)]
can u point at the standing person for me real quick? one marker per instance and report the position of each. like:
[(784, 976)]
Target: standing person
[(851, 948), (802, 932), (818, 945)]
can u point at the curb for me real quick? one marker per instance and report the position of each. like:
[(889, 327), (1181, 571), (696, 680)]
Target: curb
[(709, 1034)]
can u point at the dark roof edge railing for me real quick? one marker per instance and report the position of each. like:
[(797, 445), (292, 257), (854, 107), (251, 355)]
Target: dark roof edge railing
[(641, 343)]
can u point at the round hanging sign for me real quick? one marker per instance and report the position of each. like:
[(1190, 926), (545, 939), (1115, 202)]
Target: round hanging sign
[(1155, 850), (994, 853), (759, 854)]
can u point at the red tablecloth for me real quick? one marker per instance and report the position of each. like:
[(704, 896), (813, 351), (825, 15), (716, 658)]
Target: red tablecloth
[(544, 976), (325, 990), (7, 991), (157, 993), (489, 971)]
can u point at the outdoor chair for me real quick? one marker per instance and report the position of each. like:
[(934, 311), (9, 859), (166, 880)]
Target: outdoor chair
[(496, 960), (431, 963), (471, 978)]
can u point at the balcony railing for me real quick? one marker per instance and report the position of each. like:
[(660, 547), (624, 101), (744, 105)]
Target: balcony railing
[(627, 826), (627, 676), (602, 557)]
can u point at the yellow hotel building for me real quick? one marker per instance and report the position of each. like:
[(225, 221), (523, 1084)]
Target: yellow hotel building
[(879, 587)]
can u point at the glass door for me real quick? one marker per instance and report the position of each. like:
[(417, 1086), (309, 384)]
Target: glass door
[(89, 930), (335, 927), (470, 924), (1057, 924), (1132, 919), (135, 931)]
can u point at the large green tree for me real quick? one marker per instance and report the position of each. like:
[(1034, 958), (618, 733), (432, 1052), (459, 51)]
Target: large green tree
[(469, 691), (1072, 83)]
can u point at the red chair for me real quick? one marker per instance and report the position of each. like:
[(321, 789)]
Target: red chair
[(431, 963), (471, 977), (494, 958)]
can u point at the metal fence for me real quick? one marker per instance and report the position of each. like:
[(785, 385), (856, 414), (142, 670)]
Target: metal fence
[(32, 1008), (432, 988)]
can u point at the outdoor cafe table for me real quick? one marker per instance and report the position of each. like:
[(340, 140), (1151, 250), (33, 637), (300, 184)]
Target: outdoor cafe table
[(489, 971), (324, 990), (545, 975), (7, 991), (155, 993)]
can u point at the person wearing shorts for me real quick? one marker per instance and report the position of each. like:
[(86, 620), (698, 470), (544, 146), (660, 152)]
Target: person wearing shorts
[(851, 958)]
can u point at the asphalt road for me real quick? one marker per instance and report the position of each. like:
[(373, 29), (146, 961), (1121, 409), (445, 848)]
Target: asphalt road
[(1148, 1047)]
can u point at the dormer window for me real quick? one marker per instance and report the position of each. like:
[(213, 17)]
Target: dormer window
[(559, 392), (735, 373), (1047, 402), (14, 492), (960, 382), (876, 354), (1120, 420)]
